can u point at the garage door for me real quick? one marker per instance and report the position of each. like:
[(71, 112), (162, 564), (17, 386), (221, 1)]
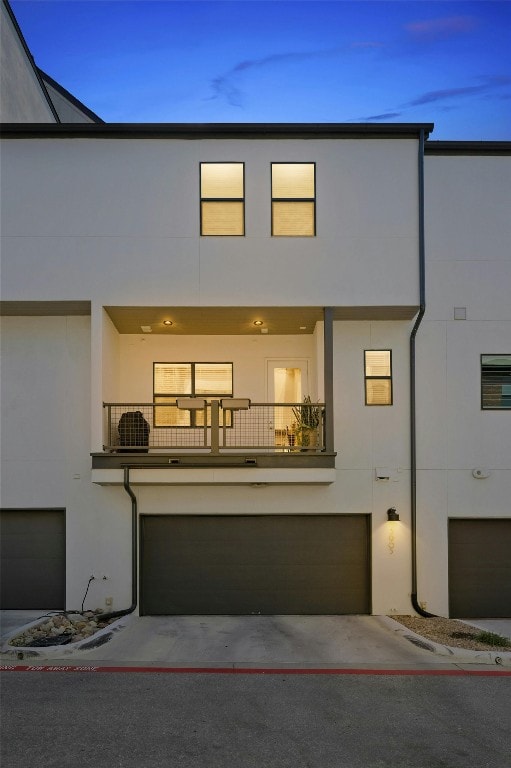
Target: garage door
[(32, 559), (480, 568), (278, 564)]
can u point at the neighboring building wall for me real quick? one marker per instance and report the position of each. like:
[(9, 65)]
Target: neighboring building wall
[(68, 108), (468, 245), (23, 98)]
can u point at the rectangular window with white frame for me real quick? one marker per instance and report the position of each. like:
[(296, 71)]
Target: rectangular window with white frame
[(172, 381), (222, 199), (496, 382), (378, 376), (293, 199)]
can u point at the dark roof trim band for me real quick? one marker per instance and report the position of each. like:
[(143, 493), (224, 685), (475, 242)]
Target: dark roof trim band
[(216, 130), (468, 148)]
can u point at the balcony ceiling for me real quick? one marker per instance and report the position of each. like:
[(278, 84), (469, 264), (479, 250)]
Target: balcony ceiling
[(215, 321), (220, 321)]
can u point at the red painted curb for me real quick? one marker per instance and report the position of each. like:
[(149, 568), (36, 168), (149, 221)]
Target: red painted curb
[(258, 670)]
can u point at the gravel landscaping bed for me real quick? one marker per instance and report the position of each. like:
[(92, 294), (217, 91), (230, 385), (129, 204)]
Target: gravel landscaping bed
[(451, 632), (61, 629)]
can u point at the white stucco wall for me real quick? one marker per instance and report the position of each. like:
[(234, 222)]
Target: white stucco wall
[(46, 461), (247, 353), (128, 210), (45, 452)]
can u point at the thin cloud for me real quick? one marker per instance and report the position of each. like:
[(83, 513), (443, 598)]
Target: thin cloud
[(430, 97), (449, 95), (223, 86), (366, 44), (435, 29), (383, 116)]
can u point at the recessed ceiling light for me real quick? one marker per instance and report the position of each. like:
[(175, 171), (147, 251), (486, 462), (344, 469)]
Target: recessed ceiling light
[(146, 329), (258, 322), (167, 322)]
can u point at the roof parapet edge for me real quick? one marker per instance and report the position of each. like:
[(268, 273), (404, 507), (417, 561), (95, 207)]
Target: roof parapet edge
[(468, 148), (214, 130)]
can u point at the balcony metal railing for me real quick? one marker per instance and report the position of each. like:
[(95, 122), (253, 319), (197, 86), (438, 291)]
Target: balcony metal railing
[(220, 426)]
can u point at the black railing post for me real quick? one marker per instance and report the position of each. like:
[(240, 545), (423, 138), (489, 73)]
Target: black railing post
[(215, 426)]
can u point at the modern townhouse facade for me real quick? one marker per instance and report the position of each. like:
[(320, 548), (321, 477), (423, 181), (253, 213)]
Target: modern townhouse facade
[(255, 369)]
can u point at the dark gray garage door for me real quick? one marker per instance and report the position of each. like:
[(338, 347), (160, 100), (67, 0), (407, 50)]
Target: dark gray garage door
[(480, 568), (32, 559), (278, 564)]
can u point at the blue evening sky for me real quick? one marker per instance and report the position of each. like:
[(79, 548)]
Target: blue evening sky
[(282, 60)]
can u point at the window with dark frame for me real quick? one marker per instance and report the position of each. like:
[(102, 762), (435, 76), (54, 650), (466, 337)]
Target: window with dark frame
[(175, 380), (496, 382), (293, 199), (222, 199), (378, 376)]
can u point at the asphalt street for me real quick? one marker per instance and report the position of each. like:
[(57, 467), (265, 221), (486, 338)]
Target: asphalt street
[(144, 720)]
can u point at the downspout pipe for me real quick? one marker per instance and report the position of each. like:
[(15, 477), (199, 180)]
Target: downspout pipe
[(413, 415), (134, 551)]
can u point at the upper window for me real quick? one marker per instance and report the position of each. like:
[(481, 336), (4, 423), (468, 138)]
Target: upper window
[(378, 376), (495, 382), (222, 198), (293, 199), (175, 380)]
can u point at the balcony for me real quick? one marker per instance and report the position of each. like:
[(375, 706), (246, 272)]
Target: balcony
[(230, 433)]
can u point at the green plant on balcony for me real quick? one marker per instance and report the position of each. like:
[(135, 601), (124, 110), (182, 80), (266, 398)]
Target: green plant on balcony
[(307, 421)]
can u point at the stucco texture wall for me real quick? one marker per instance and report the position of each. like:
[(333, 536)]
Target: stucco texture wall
[(128, 211)]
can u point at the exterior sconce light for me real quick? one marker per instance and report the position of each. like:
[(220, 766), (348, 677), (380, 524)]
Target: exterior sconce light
[(235, 403), (392, 515), (191, 403)]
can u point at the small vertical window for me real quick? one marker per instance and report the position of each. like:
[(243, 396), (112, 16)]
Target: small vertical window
[(378, 377), (495, 382), (293, 199), (222, 193)]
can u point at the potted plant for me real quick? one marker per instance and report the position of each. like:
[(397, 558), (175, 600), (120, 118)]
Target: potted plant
[(307, 421)]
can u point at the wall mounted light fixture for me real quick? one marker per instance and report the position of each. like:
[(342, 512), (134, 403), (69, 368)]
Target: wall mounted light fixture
[(191, 403), (392, 515)]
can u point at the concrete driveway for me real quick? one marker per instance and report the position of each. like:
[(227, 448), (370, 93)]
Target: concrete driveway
[(246, 641), (258, 641)]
